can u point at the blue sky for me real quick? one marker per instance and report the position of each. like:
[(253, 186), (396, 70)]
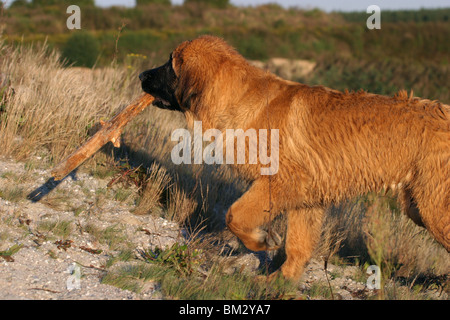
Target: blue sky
[(327, 5)]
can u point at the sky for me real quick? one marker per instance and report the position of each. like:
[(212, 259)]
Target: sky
[(326, 5)]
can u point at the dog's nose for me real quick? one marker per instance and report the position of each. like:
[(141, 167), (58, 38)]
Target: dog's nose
[(142, 76)]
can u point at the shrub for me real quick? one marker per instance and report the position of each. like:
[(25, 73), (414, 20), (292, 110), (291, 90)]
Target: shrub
[(213, 3), (40, 3), (147, 2), (81, 49), (19, 3)]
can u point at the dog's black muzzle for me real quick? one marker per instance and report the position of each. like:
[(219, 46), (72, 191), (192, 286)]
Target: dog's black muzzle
[(159, 83)]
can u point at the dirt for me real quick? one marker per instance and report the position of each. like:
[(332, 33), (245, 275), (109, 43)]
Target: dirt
[(56, 240), (43, 267)]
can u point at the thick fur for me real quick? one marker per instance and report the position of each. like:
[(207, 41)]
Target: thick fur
[(333, 145)]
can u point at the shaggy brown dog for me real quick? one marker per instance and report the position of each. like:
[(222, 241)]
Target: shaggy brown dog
[(332, 145)]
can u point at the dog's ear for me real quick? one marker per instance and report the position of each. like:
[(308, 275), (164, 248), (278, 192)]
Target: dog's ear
[(177, 57), (198, 64), (192, 73)]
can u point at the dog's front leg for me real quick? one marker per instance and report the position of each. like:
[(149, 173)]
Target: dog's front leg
[(303, 233), (250, 212)]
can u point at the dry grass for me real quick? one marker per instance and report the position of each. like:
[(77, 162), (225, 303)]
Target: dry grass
[(48, 109), (157, 182), (52, 108), (401, 247), (372, 230), (181, 206)]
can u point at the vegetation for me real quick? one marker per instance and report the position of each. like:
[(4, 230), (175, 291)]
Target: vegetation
[(213, 3), (411, 51), (147, 2), (7, 254), (81, 49), (216, 286), (422, 15)]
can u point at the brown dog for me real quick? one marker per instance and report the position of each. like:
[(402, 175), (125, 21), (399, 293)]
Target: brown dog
[(332, 145)]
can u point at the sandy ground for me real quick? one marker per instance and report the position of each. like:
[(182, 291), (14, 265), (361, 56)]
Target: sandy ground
[(66, 235)]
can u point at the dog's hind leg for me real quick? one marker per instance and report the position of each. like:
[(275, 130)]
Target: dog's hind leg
[(409, 206), (437, 220), (431, 190), (250, 212)]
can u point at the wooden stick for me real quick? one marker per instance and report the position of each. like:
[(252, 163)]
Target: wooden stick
[(110, 131)]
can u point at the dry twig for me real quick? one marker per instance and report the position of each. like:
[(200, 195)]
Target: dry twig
[(110, 131)]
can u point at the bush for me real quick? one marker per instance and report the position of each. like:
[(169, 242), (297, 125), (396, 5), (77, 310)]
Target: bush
[(147, 2), (19, 3), (213, 3), (81, 49), (382, 77), (40, 3)]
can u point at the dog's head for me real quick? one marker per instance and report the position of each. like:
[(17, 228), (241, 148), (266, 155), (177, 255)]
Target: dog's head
[(161, 83), (192, 66)]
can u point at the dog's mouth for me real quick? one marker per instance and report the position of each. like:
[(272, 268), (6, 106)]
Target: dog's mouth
[(162, 103), (160, 86), (168, 103)]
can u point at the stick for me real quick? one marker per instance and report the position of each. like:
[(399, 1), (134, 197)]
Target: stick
[(110, 131)]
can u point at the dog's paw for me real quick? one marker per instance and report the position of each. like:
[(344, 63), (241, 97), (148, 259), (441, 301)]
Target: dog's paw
[(260, 240), (268, 240), (269, 278), (273, 240)]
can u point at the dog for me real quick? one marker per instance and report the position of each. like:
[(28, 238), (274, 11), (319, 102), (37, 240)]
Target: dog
[(332, 145)]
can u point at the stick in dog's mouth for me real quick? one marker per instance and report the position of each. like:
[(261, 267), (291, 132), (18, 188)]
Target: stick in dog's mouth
[(110, 131)]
